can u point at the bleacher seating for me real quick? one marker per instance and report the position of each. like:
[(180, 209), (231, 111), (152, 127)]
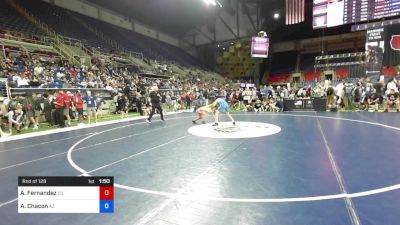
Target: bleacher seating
[(64, 23), (279, 78), (136, 42), (390, 71), (342, 73), (312, 75), (57, 19), (11, 20)]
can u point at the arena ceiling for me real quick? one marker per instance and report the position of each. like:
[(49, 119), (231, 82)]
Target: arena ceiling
[(176, 17), (180, 17)]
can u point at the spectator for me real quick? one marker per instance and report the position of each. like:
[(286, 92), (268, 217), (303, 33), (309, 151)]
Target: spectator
[(392, 85), (77, 102), (99, 105), (348, 95), (48, 107), (357, 96), (90, 102), (3, 112), (339, 92), (29, 108), (38, 71), (258, 106), (330, 94), (67, 108), (378, 86), (188, 100), (15, 119), (59, 105), (392, 101), (122, 105), (37, 107), (373, 101)]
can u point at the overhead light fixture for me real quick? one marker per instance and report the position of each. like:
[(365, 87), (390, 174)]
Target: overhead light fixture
[(212, 2), (218, 46), (276, 15)]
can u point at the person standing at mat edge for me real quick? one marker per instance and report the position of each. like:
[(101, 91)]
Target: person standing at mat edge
[(59, 104), (90, 101), (220, 106), (155, 98)]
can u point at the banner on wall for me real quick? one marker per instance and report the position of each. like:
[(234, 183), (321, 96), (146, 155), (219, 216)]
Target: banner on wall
[(391, 56), (374, 48)]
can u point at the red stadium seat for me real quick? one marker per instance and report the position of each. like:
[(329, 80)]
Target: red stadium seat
[(390, 71), (342, 73), (312, 75), (279, 78)]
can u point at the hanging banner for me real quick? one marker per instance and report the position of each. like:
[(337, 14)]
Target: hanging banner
[(391, 55), (374, 47)]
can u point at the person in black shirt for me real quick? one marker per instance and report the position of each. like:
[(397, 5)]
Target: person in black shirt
[(122, 105), (378, 86), (155, 99), (373, 100)]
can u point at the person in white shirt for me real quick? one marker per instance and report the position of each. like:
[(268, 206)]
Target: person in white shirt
[(339, 90), (22, 82), (392, 86), (38, 70)]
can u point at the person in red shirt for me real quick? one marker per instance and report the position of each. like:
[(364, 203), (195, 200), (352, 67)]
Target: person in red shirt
[(78, 103), (27, 72), (73, 72), (60, 105), (67, 102)]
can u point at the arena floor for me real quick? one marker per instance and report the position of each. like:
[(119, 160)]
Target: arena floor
[(309, 168)]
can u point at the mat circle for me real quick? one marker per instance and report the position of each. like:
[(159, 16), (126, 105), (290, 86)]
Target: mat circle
[(239, 130)]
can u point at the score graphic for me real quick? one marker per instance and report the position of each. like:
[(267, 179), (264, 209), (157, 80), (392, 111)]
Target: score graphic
[(65, 194), (107, 199)]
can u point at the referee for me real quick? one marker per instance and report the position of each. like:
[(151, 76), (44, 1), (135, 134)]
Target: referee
[(155, 99)]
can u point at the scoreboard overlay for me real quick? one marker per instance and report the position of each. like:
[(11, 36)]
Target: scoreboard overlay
[(65, 194)]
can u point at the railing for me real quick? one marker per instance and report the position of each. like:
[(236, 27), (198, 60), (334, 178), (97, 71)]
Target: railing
[(110, 41), (25, 37), (105, 93), (58, 41), (7, 89)]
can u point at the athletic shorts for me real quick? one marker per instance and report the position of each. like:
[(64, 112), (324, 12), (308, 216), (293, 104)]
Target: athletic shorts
[(66, 112), (29, 114), (37, 113), (80, 111), (91, 110), (224, 107)]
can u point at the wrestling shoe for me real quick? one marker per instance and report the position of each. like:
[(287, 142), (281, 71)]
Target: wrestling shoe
[(148, 121), (233, 123), (215, 124), (194, 122)]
